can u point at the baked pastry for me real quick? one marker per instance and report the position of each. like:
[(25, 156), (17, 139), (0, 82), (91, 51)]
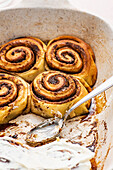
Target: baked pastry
[(73, 56), (14, 97), (54, 92), (23, 57)]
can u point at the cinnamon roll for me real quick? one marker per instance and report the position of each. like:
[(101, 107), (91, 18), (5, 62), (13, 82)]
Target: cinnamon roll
[(73, 56), (23, 57), (54, 92), (14, 97)]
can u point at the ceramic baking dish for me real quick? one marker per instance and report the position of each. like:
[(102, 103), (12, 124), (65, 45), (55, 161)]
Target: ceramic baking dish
[(49, 22)]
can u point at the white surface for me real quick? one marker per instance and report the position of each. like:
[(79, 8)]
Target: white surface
[(8, 3), (100, 8)]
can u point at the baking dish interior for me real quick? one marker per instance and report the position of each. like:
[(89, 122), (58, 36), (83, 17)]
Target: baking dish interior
[(46, 24)]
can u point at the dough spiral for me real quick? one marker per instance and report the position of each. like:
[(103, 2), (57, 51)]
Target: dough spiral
[(23, 57), (73, 56), (14, 97), (54, 92)]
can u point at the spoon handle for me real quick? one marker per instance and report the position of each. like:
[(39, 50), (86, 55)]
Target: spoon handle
[(104, 86)]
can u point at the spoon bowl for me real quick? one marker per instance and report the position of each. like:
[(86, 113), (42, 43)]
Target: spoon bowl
[(44, 132)]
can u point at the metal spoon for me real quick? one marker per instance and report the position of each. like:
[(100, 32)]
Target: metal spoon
[(50, 128)]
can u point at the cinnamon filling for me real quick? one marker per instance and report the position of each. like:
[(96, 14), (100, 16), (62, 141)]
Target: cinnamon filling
[(55, 87), (8, 92)]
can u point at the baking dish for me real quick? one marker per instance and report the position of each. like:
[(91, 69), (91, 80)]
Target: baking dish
[(49, 22)]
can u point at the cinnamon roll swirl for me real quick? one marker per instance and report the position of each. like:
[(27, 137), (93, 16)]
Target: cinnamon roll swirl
[(23, 57), (54, 92), (14, 97), (73, 56)]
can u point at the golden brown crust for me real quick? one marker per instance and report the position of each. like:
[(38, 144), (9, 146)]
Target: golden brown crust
[(14, 97), (73, 56), (53, 92), (23, 57)]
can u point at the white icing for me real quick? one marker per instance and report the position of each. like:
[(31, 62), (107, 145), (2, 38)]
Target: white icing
[(14, 107), (55, 155)]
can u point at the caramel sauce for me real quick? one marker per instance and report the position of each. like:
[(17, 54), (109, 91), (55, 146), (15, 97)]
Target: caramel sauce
[(93, 164), (101, 102), (97, 105), (3, 127), (109, 148)]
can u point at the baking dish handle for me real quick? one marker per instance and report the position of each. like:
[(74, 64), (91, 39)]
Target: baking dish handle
[(36, 3)]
